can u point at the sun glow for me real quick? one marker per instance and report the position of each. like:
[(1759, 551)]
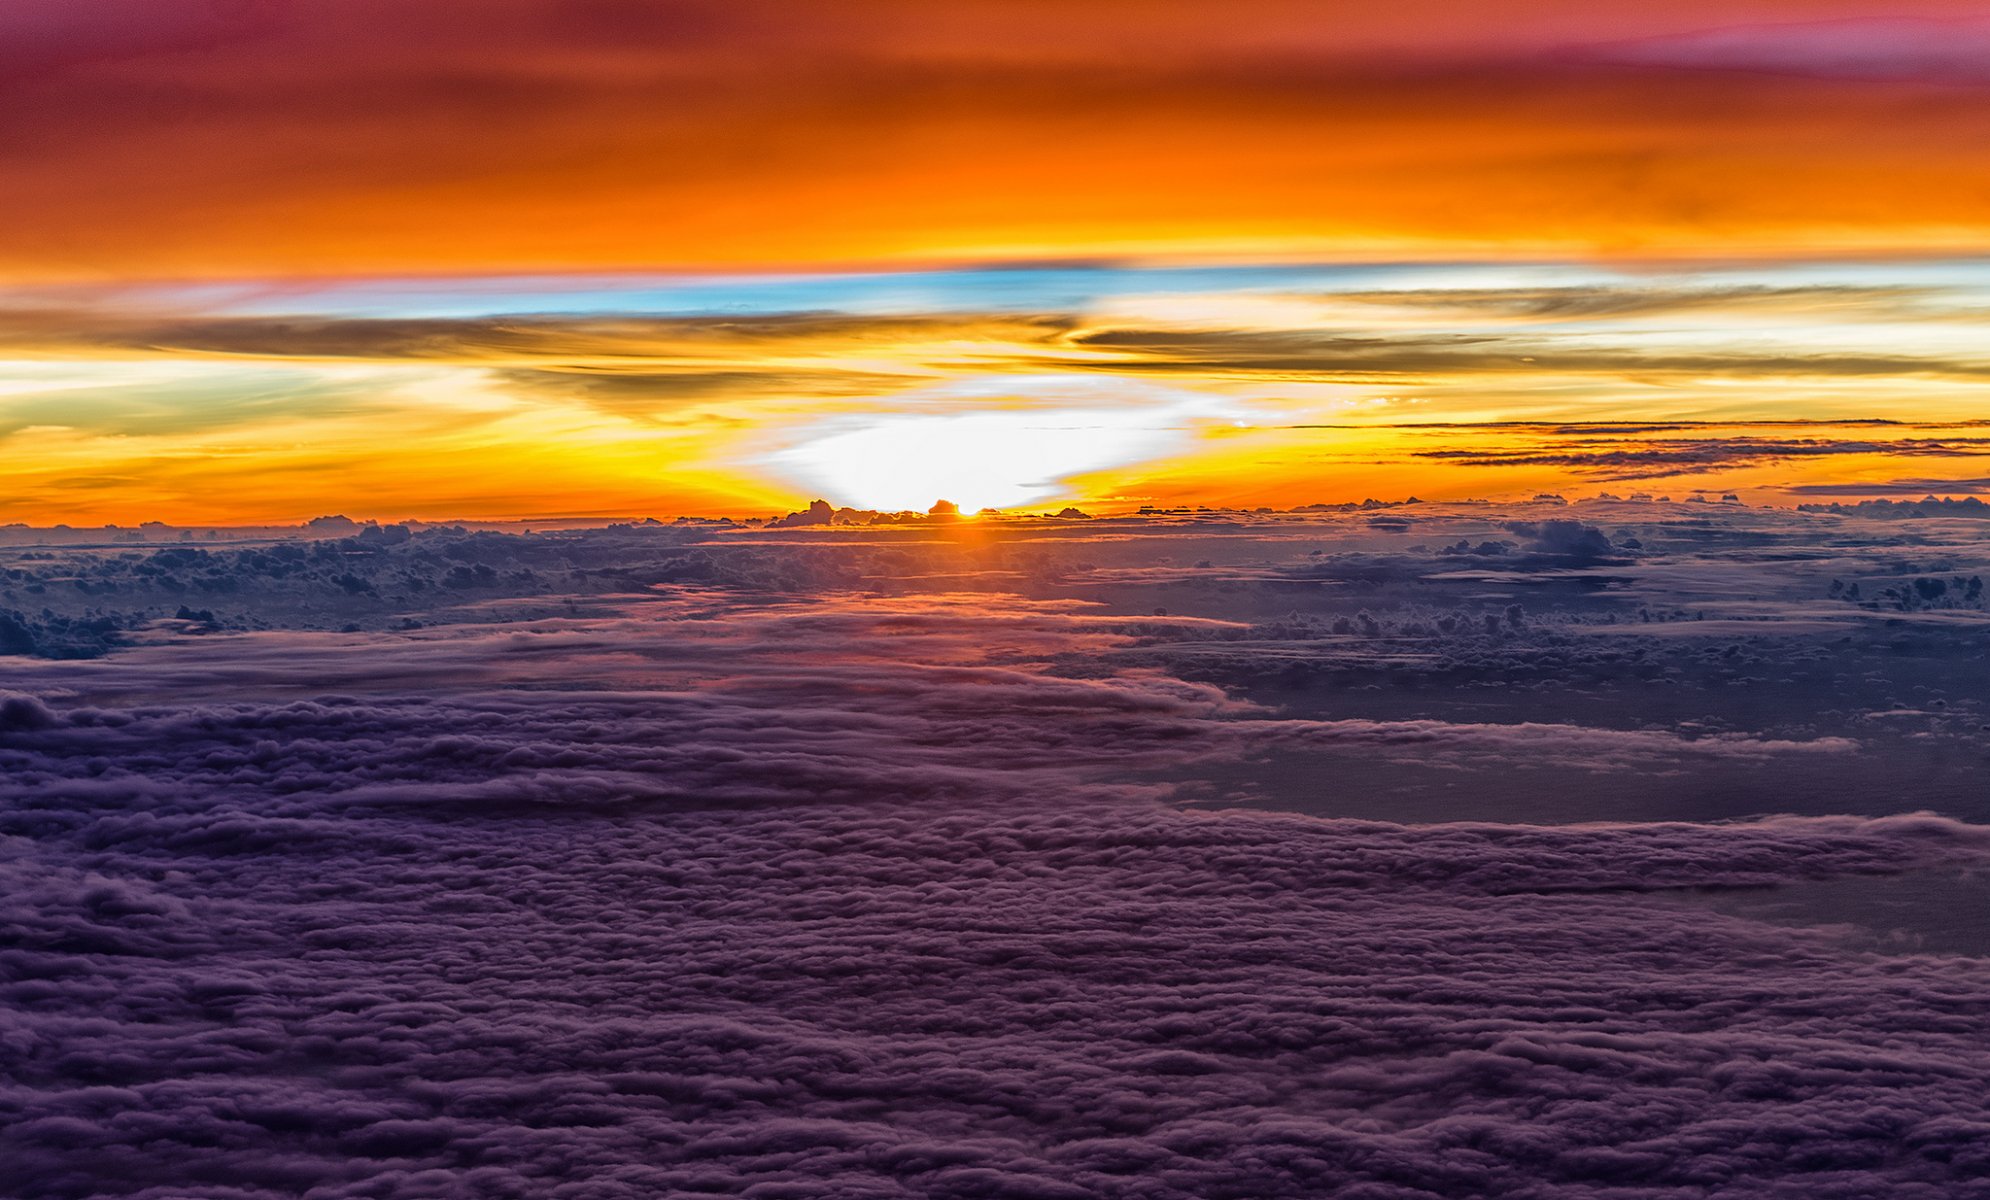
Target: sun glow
[(1035, 436)]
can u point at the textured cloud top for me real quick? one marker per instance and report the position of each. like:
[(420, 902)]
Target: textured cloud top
[(933, 858)]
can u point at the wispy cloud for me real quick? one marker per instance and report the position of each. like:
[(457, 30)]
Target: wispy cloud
[(1662, 458), (1253, 377), (1898, 487), (1879, 48)]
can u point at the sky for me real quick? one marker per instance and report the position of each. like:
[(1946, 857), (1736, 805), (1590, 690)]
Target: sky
[(269, 260)]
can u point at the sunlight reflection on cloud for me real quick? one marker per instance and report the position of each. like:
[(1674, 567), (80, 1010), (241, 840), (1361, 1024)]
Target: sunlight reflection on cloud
[(1017, 442)]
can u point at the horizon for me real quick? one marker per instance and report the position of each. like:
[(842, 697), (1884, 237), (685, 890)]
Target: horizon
[(1826, 501)]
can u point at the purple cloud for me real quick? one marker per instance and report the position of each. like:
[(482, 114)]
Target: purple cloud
[(863, 927), (823, 891)]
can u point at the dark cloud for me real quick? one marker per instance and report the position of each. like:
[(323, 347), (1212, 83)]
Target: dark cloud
[(1365, 354), (1572, 540), (625, 362), (1608, 302), (19, 713), (1897, 487), (1622, 428), (1665, 457), (637, 388), (525, 337)]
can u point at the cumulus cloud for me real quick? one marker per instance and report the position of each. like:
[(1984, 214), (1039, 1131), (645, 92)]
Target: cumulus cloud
[(1568, 539), (19, 713)]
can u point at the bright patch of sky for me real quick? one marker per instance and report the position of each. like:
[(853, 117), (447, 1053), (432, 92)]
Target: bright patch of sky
[(1057, 288)]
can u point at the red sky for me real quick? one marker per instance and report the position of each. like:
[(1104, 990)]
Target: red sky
[(219, 138), (295, 148)]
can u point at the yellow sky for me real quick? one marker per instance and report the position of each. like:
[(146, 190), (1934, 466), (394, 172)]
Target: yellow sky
[(1016, 389)]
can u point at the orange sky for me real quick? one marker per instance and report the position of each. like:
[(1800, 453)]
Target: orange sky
[(1025, 388), (202, 138), (261, 259)]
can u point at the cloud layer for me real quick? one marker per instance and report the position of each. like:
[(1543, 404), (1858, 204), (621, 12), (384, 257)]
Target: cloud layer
[(929, 859), (602, 945)]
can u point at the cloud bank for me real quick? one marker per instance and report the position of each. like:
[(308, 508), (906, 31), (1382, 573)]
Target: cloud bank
[(573, 944), (928, 859)]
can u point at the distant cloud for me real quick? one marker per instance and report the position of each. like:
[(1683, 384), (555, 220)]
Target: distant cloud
[(1361, 353), (1664, 458), (523, 338), (1876, 48), (1897, 487), (1573, 540), (1621, 302)]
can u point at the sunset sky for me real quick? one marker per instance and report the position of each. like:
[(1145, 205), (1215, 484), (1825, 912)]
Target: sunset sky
[(266, 259)]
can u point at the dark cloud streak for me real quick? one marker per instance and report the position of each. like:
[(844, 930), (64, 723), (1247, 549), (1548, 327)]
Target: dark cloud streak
[(1665, 458)]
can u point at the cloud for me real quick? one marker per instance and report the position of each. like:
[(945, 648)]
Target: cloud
[(1861, 48), (635, 390), (542, 940), (1666, 457), (749, 861), (1897, 487), (1572, 540), (524, 339), (1624, 302), (620, 374), (1362, 354), (999, 442), (19, 713), (178, 398)]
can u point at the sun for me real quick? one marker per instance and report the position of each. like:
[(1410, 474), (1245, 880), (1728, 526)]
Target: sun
[(1022, 449)]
